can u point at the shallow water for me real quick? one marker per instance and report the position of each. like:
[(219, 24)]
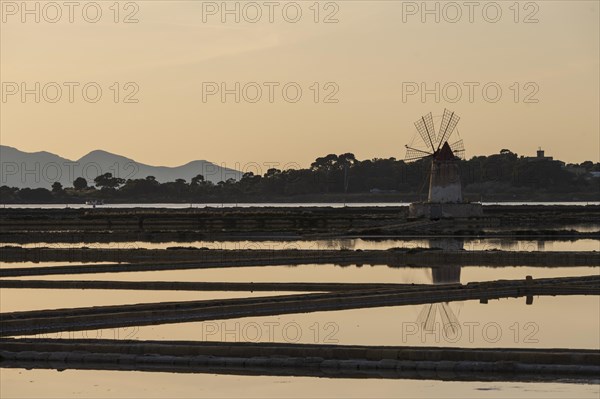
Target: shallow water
[(549, 322), (18, 299), (276, 205), (329, 273), (350, 244), (220, 205), (10, 265), (566, 321), (20, 383)]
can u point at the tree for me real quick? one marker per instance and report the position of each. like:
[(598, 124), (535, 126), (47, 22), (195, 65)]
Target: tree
[(198, 179), (588, 165), (108, 181), (80, 184), (57, 187), (272, 173), (347, 159), (35, 194), (8, 194), (140, 188), (325, 163), (248, 176)]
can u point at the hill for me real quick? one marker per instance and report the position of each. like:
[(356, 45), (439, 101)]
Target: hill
[(41, 169)]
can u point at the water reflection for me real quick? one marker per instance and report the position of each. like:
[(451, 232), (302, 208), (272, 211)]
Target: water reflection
[(72, 383), (504, 323), (470, 244), (448, 274), (278, 205)]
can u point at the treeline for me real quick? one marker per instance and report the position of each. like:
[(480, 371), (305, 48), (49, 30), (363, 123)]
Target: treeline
[(503, 176)]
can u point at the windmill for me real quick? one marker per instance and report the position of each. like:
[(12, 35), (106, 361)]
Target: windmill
[(444, 180)]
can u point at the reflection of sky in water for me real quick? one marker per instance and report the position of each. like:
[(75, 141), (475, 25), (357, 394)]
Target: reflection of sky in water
[(349, 243), (328, 274), (220, 205), (94, 383), (10, 265), (581, 228), (268, 205), (552, 318), (17, 299), (549, 322)]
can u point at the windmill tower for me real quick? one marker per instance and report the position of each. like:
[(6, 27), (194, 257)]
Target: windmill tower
[(445, 192), (444, 180)]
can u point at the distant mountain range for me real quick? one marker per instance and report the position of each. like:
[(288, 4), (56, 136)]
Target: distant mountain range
[(41, 169)]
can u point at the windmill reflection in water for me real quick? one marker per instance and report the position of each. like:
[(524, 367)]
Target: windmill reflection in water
[(442, 275)]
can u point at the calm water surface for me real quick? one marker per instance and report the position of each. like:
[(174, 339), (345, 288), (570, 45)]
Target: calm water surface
[(329, 273), (550, 322), (348, 243), (273, 205), (505, 323), (20, 383)]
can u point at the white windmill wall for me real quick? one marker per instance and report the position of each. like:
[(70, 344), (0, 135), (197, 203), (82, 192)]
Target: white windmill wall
[(444, 183)]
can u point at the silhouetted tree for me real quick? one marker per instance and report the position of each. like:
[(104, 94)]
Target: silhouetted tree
[(325, 163), (80, 184), (503, 175), (8, 194), (35, 195), (108, 181), (57, 187), (196, 180)]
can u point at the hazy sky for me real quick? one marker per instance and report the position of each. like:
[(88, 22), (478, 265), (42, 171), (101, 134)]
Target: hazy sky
[(548, 72)]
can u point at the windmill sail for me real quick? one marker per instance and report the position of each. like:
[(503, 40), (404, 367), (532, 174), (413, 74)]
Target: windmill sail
[(414, 154), (432, 144), (425, 128), (449, 122), (458, 149)]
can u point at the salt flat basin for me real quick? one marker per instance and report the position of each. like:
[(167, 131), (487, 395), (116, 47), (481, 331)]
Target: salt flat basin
[(566, 321), (21, 383), (505, 244), (10, 265), (326, 273), (549, 322), (17, 300)]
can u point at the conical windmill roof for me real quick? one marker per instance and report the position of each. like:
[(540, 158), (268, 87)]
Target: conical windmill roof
[(445, 153)]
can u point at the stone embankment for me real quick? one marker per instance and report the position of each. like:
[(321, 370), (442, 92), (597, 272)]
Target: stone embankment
[(330, 361), (121, 224)]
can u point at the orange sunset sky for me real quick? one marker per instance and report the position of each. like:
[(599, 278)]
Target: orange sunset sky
[(544, 56)]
